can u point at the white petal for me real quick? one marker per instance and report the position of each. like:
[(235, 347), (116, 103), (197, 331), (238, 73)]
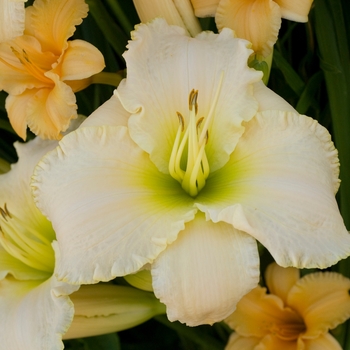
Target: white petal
[(269, 100), (279, 187), (115, 213), (205, 272), (34, 314), (109, 113), (164, 65)]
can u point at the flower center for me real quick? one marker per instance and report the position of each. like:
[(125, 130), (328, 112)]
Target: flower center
[(288, 330), (189, 146), (25, 243)]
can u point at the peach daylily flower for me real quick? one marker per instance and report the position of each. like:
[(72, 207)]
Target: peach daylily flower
[(255, 20), (41, 69), (296, 315)]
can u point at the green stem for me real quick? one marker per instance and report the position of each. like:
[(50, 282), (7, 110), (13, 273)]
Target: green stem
[(106, 78)]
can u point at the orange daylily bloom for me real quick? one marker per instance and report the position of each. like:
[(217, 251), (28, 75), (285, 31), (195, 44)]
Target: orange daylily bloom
[(296, 315), (255, 20), (41, 69)]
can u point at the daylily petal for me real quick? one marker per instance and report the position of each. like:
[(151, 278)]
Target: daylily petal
[(128, 203), (54, 21), (271, 342), (17, 109), (296, 10), (323, 300), (259, 314), (205, 8), (269, 100), (80, 60), (255, 20), (109, 113), (205, 272), (279, 187), (324, 342), (184, 62), (11, 19), (236, 342), (56, 107), (280, 280), (37, 313)]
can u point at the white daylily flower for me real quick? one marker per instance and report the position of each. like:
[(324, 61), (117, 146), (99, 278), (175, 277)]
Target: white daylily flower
[(11, 19), (131, 193)]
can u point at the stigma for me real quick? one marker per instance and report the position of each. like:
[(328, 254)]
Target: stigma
[(188, 162)]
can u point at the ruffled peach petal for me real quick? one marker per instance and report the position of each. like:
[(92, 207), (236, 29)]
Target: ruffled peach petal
[(51, 110), (322, 299), (324, 342), (259, 314), (205, 8), (237, 342), (80, 60), (17, 110), (54, 21), (295, 10), (280, 280), (255, 20)]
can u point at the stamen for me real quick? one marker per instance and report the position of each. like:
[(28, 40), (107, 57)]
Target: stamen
[(193, 177), (25, 242), (32, 68)]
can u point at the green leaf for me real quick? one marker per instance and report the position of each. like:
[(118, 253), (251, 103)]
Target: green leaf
[(291, 76), (307, 98), (102, 342), (112, 32)]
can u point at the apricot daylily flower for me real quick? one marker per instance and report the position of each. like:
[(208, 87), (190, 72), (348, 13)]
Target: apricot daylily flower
[(41, 69), (183, 169), (296, 315), (255, 20), (35, 308), (11, 19)]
